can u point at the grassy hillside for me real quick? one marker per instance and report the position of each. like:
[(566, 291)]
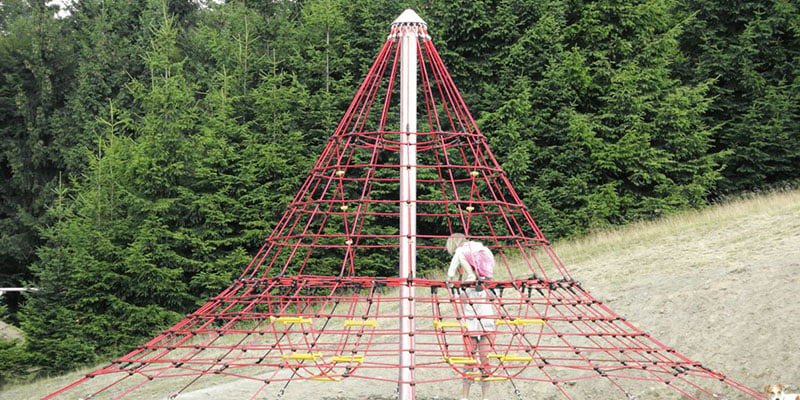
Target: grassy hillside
[(719, 285)]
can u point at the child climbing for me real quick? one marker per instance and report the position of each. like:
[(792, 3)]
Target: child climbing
[(476, 261)]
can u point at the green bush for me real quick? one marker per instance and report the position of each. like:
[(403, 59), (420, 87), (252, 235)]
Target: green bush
[(13, 360)]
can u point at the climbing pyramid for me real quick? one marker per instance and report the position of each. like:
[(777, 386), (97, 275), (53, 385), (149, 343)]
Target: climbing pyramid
[(405, 169)]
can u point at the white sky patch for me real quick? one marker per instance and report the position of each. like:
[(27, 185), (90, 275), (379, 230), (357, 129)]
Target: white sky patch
[(63, 10)]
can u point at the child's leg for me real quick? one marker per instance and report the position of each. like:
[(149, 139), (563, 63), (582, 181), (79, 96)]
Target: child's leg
[(485, 390), (465, 389), (471, 347), (484, 347)]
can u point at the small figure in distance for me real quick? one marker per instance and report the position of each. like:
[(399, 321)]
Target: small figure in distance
[(476, 261)]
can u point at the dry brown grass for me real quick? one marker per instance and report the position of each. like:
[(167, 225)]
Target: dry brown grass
[(702, 237)]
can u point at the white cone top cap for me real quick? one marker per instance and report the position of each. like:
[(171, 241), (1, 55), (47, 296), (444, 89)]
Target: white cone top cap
[(409, 17)]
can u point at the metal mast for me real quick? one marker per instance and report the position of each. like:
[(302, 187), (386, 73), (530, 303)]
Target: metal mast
[(408, 27)]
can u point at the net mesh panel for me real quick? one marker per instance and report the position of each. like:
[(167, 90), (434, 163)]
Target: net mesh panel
[(283, 320)]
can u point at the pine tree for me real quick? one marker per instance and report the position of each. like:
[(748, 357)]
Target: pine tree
[(35, 72), (160, 175), (13, 359), (751, 51), (595, 127), (51, 317), (118, 253), (108, 50)]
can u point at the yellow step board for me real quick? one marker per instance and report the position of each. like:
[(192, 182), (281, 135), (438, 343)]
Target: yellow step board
[(491, 379), (460, 360), (291, 320), (326, 379), (521, 322), (445, 324), (511, 357), (347, 359), (355, 322)]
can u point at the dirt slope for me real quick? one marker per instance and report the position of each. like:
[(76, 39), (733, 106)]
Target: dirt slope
[(9, 332)]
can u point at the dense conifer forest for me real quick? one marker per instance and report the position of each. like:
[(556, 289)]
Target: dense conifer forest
[(148, 147)]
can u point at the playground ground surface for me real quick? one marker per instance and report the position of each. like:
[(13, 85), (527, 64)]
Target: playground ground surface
[(719, 285)]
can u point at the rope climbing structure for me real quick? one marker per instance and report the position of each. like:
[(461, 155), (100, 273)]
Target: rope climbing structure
[(405, 169)]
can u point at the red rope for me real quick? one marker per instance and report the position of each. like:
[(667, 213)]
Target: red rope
[(280, 322)]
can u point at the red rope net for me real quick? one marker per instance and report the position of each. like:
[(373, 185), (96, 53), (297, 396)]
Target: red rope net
[(282, 321)]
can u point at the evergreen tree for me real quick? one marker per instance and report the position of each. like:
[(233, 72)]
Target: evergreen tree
[(13, 359), (595, 129), (35, 71), (654, 148), (181, 132), (98, 292), (114, 266), (751, 52), (322, 66), (161, 175), (107, 55)]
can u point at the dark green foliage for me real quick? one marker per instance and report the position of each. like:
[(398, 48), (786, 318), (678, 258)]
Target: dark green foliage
[(14, 361), (148, 147), (13, 358), (751, 51), (594, 129), (97, 279), (36, 64)]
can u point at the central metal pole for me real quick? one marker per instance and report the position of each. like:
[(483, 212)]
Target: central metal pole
[(409, 24)]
